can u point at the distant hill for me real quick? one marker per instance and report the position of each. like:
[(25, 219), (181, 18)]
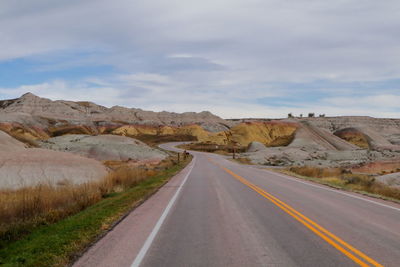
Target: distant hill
[(32, 110)]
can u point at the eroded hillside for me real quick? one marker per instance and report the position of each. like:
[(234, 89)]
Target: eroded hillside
[(324, 142)]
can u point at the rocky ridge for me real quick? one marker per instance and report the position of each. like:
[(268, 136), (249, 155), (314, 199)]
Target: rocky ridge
[(32, 110)]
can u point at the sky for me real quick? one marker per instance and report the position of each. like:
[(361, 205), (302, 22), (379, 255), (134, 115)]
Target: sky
[(235, 58)]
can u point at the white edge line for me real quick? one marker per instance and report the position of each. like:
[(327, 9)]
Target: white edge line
[(329, 189), (142, 253)]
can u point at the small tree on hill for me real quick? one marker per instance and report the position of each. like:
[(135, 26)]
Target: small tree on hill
[(290, 115), (311, 115)]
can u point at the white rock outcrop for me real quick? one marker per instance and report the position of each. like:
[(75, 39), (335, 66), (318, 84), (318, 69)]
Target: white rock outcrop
[(104, 147), (20, 166)]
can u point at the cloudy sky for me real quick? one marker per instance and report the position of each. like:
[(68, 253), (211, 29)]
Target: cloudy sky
[(236, 58)]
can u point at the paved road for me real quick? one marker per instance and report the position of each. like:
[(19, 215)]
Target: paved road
[(219, 213)]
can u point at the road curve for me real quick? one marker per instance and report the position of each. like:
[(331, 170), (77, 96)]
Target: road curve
[(220, 213)]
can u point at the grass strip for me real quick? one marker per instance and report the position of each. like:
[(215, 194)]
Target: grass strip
[(57, 244)]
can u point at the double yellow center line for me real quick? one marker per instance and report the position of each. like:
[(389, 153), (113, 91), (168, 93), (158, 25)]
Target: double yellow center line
[(348, 250)]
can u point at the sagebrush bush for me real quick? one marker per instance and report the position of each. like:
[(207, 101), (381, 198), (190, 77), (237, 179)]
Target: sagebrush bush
[(359, 179)]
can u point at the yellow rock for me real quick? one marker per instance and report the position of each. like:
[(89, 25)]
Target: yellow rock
[(27, 135), (127, 130), (272, 133), (166, 130)]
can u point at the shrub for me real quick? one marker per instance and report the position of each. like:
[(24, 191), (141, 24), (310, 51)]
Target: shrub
[(359, 179)]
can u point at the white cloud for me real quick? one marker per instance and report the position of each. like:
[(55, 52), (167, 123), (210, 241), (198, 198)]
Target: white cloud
[(221, 55), (383, 101), (274, 40)]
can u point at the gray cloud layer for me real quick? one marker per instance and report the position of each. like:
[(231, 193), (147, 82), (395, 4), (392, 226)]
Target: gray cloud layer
[(222, 55)]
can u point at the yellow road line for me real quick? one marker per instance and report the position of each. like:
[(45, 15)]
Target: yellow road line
[(313, 226), (336, 238)]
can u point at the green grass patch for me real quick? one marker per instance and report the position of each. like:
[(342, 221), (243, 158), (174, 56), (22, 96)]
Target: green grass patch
[(57, 244)]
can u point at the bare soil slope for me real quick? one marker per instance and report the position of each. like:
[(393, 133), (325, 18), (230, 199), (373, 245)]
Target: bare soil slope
[(20, 166), (105, 147)]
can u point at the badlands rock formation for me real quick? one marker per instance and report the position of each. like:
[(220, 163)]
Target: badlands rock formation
[(31, 118), (196, 131), (105, 147), (255, 147), (325, 141), (354, 136), (315, 144), (392, 179), (42, 112), (381, 134), (273, 133), (9, 144), (21, 166)]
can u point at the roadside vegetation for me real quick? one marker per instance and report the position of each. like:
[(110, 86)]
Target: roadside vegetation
[(48, 225), (345, 179)]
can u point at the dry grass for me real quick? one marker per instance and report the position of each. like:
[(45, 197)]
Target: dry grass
[(339, 177), (334, 181), (317, 172), (29, 207), (384, 190)]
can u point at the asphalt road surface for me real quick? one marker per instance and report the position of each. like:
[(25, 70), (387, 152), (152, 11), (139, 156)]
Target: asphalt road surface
[(220, 213)]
